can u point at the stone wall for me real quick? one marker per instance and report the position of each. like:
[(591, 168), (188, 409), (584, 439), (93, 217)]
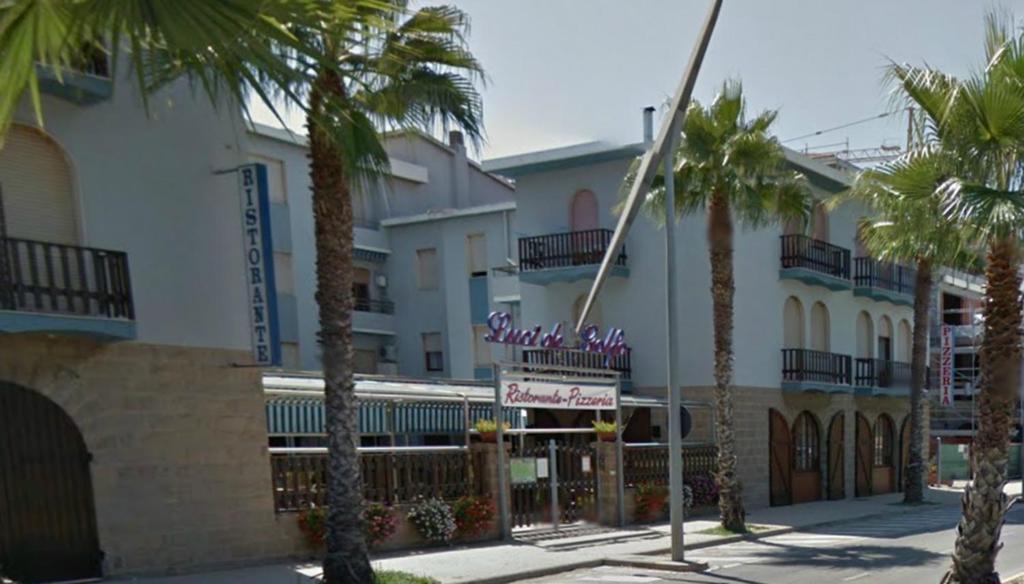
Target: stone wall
[(752, 405), (180, 468)]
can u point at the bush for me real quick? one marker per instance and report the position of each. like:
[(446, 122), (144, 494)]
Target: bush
[(650, 500), (433, 520), (473, 515), (379, 523), (395, 577), (484, 425), (704, 489)]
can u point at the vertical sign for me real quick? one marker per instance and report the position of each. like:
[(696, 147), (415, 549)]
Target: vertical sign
[(946, 366), (258, 249)]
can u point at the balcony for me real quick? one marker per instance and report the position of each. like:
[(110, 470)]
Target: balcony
[(815, 262), (566, 257), (881, 377), (50, 287), (86, 81), (809, 370), (884, 281), (373, 316), (582, 359), (374, 305)]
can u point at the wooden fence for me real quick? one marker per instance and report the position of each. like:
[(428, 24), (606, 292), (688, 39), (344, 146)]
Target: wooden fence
[(388, 477), (649, 464)]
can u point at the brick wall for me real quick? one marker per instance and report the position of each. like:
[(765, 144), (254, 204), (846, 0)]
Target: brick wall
[(180, 469)]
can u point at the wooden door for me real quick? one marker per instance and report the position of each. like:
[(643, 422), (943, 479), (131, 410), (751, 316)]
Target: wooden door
[(865, 458), (780, 459), (47, 518), (904, 453), (837, 457)]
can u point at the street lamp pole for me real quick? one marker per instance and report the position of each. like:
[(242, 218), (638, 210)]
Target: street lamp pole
[(675, 434)]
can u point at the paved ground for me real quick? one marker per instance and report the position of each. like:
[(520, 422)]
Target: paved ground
[(897, 549)]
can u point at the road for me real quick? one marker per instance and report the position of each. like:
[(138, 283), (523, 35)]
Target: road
[(905, 548)]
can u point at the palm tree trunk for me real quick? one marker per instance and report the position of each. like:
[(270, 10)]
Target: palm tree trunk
[(347, 559), (723, 289), (913, 491), (984, 503)]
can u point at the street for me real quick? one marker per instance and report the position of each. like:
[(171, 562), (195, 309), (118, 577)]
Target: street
[(903, 548)]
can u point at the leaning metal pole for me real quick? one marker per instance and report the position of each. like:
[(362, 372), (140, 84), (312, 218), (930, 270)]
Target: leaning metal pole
[(675, 434)]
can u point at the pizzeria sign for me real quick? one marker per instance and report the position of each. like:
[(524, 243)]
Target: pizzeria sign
[(557, 396)]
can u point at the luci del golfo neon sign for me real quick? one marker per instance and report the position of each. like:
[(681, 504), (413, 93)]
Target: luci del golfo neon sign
[(611, 345)]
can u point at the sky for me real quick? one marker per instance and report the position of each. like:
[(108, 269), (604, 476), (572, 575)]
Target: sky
[(568, 71)]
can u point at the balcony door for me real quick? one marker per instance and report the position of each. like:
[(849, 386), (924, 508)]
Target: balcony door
[(583, 211), (39, 201)]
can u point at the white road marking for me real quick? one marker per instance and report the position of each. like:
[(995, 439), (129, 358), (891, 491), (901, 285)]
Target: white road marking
[(857, 576)]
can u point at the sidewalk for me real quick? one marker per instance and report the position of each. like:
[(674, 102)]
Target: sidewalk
[(508, 562)]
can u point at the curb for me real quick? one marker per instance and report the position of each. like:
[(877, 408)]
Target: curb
[(538, 573), (1018, 579)]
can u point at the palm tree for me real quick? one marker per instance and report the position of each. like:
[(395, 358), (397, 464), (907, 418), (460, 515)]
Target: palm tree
[(730, 167), (980, 121), (379, 67), (908, 226)]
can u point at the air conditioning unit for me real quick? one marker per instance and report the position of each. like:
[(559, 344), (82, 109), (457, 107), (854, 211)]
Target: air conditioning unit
[(389, 353), (382, 281)]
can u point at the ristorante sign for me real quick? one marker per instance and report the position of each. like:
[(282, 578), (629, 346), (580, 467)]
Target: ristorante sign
[(557, 396), (611, 345)]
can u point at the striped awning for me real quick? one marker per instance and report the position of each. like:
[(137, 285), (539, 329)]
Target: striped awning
[(303, 417)]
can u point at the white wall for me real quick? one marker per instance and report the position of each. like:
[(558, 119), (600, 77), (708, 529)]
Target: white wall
[(147, 185)]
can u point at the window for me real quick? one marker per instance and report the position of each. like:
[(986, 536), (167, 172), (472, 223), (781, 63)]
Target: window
[(365, 361), (476, 254), (284, 274), (883, 441), (793, 324), (290, 356), (433, 351), (481, 348), (426, 268), (276, 189), (805, 443), (361, 288)]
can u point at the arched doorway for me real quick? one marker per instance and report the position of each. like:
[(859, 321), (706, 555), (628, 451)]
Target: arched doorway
[(904, 341), (48, 532), (837, 457), (865, 336), (820, 340), (583, 211), (865, 456), (883, 476), (780, 459), (806, 459), (36, 188), (793, 324)]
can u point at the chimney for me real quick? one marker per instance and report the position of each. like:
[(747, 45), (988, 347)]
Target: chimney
[(456, 140), (648, 124)]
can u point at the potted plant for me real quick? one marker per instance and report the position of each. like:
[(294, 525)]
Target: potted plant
[(473, 516), (379, 524), (650, 500), (488, 429), (433, 520), (606, 431)]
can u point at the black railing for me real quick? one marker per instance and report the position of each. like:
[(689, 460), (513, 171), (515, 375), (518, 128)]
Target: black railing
[(374, 305), (578, 358), (871, 273), (563, 250), (882, 373), (37, 276), (800, 251), (818, 366)]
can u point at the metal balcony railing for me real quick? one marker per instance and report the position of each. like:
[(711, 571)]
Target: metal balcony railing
[(882, 373), (871, 273), (800, 251), (816, 366), (374, 305), (37, 276), (565, 250), (578, 358)]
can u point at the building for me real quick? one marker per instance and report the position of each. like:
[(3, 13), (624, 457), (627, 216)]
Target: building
[(822, 333)]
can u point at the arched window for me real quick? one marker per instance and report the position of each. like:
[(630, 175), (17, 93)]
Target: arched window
[(793, 324), (904, 342), (884, 339), (883, 441), (36, 188), (865, 335), (819, 222), (806, 443), (583, 212), (819, 327)]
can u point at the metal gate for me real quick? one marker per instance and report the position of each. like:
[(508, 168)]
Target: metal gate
[(568, 492), (47, 518), (865, 457), (836, 457)]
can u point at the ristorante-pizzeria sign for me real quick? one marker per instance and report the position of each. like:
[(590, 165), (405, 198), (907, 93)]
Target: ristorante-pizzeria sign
[(557, 396)]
